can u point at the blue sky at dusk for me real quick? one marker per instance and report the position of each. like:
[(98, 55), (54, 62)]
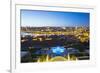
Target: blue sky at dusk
[(38, 18)]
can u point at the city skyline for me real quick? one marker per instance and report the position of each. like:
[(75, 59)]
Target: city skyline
[(39, 18)]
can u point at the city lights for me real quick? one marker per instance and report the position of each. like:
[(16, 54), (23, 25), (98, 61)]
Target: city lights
[(49, 36)]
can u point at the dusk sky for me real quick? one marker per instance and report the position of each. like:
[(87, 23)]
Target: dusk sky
[(36, 18)]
